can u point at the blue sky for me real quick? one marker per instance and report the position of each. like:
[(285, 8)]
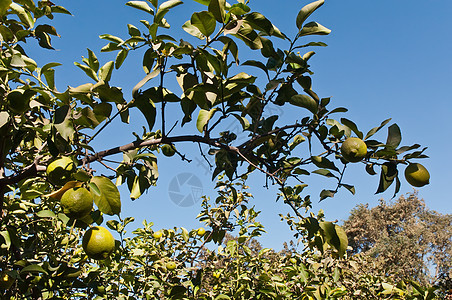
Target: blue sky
[(385, 59)]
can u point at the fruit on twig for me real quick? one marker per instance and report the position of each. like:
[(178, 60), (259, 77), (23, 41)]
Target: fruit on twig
[(417, 175), (168, 150), (6, 281), (18, 101), (201, 231), (353, 149), (60, 170), (77, 202), (98, 243), (171, 265), (157, 235)]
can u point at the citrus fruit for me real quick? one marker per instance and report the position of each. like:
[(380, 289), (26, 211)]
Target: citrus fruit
[(157, 235), (201, 231), (6, 281), (77, 202), (171, 265), (417, 175), (168, 150), (18, 102), (353, 149), (98, 243), (60, 170), (293, 260), (216, 274)]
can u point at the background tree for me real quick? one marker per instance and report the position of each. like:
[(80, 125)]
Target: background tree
[(404, 238)]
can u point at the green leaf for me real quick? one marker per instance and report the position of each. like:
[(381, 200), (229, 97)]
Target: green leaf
[(147, 108), (141, 5), (204, 117), (326, 194), (148, 77), (352, 126), (217, 8), (323, 162), (185, 234), (243, 121), (193, 30), (204, 21), (63, 122), (109, 200), (335, 236), (111, 38), (24, 16), (304, 101), (314, 28), (46, 214), (164, 8), (106, 71), (133, 30), (306, 11), (376, 129), (388, 174), (4, 5), (394, 136), (257, 64), (33, 269), (88, 71), (120, 58)]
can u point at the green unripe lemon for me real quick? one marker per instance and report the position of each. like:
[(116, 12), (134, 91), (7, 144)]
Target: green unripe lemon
[(171, 265), (77, 202), (60, 170), (353, 149), (417, 175), (98, 243), (18, 101), (168, 150)]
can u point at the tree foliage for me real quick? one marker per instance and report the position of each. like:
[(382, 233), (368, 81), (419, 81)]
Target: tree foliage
[(40, 246), (406, 239)]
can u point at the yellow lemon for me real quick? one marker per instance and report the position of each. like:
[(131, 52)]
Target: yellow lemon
[(60, 170), (98, 243), (201, 231), (353, 149)]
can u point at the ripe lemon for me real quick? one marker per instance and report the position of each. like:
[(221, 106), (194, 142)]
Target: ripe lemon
[(353, 149), (98, 243), (6, 281), (168, 150), (171, 265), (77, 202), (417, 175), (157, 235), (201, 231), (60, 170)]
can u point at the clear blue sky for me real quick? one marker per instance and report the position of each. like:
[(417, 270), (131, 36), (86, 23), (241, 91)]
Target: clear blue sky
[(385, 59)]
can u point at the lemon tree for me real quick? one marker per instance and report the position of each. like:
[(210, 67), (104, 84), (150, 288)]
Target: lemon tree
[(229, 63)]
